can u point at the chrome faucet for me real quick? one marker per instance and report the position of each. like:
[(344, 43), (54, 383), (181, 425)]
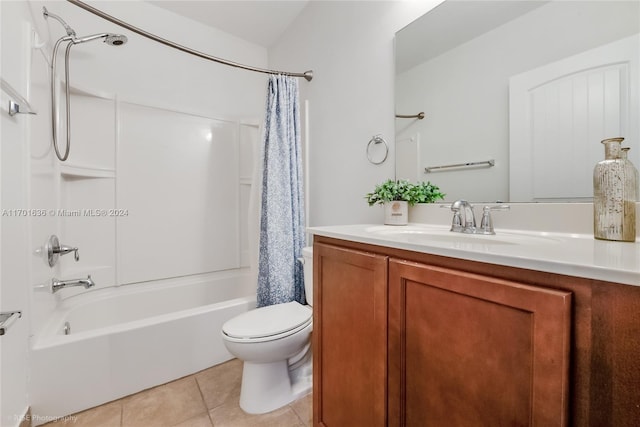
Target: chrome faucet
[(54, 249), (464, 219), (56, 284)]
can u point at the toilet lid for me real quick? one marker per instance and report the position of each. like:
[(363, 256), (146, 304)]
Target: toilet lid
[(267, 321)]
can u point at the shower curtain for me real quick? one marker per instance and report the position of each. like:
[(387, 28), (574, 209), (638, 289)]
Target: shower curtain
[(280, 275)]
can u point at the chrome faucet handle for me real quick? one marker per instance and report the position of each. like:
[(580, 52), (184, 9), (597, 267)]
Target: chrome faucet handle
[(456, 223), (460, 223), (53, 250), (486, 224), (62, 250)]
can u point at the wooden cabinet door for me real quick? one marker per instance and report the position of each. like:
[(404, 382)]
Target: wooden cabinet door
[(469, 350), (349, 338)]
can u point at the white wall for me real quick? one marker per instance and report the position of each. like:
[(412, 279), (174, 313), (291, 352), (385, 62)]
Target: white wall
[(349, 46)]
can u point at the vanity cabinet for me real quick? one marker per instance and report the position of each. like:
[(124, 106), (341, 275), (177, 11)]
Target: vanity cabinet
[(471, 350), (403, 338), (349, 356)]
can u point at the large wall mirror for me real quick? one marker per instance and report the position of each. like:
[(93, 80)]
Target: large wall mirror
[(517, 96)]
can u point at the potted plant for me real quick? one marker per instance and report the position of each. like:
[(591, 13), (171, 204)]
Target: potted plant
[(398, 195)]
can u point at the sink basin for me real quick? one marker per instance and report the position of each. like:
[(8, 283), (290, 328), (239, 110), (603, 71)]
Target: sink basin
[(424, 234)]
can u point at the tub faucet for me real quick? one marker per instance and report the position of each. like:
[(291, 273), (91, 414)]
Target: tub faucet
[(56, 284)]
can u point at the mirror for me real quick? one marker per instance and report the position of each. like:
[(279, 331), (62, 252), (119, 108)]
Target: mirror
[(456, 64)]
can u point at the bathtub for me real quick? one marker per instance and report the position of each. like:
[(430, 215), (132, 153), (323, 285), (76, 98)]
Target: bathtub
[(125, 339)]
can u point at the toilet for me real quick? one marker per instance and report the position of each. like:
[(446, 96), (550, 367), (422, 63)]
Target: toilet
[(274, 342)]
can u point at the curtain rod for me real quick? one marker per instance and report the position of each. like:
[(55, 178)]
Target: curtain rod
[(308, 75)]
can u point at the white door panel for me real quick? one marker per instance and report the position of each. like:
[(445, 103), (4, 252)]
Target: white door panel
[(560, 112)]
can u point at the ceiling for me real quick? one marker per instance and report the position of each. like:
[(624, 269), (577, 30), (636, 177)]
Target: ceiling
[(260, 22)]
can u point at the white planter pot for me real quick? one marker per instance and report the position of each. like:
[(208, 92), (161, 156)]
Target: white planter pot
[(396, 213)]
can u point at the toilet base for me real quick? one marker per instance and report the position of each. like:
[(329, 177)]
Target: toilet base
[(269, 386), (301, 373), (265, 387)]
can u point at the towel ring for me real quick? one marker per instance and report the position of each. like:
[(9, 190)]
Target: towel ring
[(375, 140)]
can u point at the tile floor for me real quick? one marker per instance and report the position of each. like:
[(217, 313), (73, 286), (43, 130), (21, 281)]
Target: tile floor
[(205, 399)]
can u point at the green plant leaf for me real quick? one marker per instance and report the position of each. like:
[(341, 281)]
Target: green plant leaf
[(390, 190)]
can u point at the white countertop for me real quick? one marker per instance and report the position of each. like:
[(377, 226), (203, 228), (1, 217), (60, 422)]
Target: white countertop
[(577, 255)]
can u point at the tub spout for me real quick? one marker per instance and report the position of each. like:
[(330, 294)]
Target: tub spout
[(56, 284)]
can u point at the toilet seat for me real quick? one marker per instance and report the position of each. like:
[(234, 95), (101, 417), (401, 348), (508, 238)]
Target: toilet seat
[(268, 323)]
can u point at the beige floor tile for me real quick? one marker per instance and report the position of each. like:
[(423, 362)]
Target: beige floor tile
[(165, 405), (230, 415), (304, 408), (185, 402), (220, 383), (199, 421), (107, 415)]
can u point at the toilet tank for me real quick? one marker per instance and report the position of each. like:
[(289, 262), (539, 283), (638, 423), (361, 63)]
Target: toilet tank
[(307, 262)]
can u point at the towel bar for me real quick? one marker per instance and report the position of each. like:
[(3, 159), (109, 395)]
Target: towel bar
[(7, 319), (17, 101), (488, 163)]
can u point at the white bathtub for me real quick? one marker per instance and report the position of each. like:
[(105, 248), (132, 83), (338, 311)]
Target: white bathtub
[(129, 338)]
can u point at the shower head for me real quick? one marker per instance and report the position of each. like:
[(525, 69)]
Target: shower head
[(109, 38), (115, 39)]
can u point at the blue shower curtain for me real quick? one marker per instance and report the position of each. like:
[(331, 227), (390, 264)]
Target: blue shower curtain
[(280, 275)]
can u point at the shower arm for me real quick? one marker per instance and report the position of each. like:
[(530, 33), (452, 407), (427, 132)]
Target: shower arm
[(308, 75), (67, 28)]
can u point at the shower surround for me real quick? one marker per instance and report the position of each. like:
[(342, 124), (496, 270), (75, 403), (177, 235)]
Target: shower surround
[(155, 195)]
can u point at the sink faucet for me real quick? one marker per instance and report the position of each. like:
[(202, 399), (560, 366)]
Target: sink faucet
[(56, 284), (464, 219)]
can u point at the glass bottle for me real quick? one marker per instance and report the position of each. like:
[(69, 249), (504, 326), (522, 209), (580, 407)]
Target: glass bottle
[(636, 184), (615, 191), (624, 154)]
